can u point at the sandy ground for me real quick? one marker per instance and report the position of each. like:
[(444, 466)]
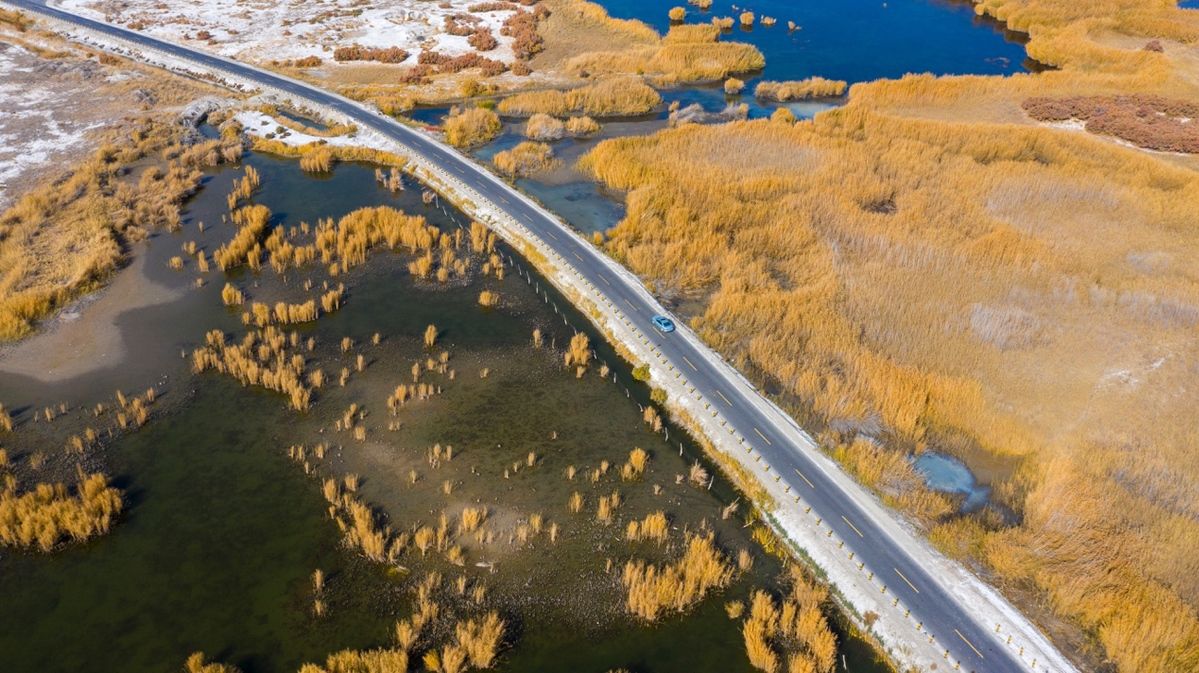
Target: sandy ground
[(259, 31), (84, 337), (49, 108)]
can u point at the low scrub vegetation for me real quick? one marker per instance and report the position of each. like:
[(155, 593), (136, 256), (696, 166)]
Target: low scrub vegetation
[(1152, 122)]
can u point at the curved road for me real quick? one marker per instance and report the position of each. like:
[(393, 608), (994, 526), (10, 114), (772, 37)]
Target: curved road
[(884, 550)]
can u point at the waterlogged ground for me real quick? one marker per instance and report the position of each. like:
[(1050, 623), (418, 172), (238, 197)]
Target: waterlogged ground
[(222, 529)]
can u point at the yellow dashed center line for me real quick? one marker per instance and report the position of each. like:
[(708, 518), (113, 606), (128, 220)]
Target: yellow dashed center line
[(806, 480), (980, 654), (763, 437), (905, 579), (855, 529), (726, 401)]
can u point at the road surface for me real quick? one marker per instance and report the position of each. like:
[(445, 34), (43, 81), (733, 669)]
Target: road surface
[(875, 543)]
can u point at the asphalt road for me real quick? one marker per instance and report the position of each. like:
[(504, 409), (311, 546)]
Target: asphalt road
[(972, 644)]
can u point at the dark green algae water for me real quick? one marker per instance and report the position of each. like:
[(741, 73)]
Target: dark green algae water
[(221, 531)]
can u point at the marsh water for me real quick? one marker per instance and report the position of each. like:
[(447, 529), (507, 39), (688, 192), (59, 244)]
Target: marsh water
[(222, 531), (851, 40)]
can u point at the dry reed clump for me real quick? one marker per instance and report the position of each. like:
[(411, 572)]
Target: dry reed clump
[(636, 464), (578, 354), (361, 661), (489, 299), (319, 160), (544, 127), (653, 591), (1152, 122), (196, 664), (361, 526), (63, 239), (582, 126), (615, 96), (793, 634), (471, 127), (812, 87), (261, 359), (688, 53), (50, 514), (1046, 268), (653, 527), (346, 153), (527, 158), (246, 245)]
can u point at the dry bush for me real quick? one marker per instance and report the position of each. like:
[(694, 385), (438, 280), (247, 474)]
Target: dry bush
[(812, 87), (50, 514), (482, 40), (617, 96), (472, 127), (527, 158), (677, 14), (654, 591), (1153, 122), (378, 54), (444, 63), (545, 128)]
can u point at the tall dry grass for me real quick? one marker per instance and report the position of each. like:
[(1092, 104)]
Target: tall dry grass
[(928, 267), (50, 514), (471, 127), (65, 238), (616, 96), (527, 158), (654, 591)]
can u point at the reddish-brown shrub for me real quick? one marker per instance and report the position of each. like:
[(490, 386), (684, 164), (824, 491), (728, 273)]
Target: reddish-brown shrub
[(1147, 121), (380, 54), (483, 40)]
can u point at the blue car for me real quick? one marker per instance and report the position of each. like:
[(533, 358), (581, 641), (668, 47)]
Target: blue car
[(663, 324)]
